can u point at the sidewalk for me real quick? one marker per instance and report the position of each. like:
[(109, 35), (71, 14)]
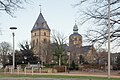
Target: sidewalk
[(76, 73)]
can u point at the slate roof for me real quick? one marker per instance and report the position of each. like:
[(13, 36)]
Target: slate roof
[(75, 34), (40, 23), (84, 49)]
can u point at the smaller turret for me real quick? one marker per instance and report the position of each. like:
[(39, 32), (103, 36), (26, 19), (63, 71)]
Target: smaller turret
[(75, 39), (75, 28)]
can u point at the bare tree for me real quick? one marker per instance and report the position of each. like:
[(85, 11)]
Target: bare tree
[(59, 43), (96, 11), (9, 6), (4, 50)]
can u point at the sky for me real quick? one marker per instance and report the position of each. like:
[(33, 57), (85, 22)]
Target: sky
[(59, 14)]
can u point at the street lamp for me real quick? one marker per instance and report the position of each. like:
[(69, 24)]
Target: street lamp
[(38, 64), (22, 62), (94, 63), (25, 59), (108, 39), (13, 34)]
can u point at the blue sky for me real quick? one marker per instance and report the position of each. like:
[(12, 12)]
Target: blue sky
[(59, 14)]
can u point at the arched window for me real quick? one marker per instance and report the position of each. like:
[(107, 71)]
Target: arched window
[(35, 34), (44, 40), (37, 42), (75, 39), (44, 33)]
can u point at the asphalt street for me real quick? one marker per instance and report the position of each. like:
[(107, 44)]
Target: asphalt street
[(43, 79)]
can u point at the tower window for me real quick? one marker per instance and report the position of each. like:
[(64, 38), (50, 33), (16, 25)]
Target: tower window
[(44, 33), (36, 41), (35, 34), (75, 39), (44, 24), (44, 40)]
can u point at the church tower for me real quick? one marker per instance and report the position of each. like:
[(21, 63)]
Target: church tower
[(40, 37), (75, 39), (75, 45)]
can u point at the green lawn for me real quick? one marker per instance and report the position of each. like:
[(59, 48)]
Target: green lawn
[(53, 76)]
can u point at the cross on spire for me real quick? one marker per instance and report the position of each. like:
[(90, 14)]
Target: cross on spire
[(75, 20), (40, 7)]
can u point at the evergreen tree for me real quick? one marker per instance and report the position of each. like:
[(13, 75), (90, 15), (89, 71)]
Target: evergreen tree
[(27, 54)]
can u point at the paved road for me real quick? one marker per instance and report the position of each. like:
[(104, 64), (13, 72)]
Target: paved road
[(41, 79)]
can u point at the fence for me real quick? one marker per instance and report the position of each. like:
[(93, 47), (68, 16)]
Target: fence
[(27, 70)]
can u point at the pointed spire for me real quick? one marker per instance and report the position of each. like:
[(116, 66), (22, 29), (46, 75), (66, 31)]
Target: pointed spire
[(75, 28), (40, 23)]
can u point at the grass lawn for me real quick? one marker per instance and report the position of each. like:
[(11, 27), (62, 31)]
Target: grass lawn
[(53, 76)]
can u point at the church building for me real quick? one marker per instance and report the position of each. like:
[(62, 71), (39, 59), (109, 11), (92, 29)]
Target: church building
[(78, 53), (40, 37)]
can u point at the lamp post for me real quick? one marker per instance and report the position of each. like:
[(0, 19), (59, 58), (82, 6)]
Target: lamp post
[(38, 64), (25, 59), (22, 62), (13, 34), (108, 39), (94, 62)]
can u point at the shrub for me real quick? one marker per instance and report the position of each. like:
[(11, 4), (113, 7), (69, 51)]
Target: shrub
[(60, 68)]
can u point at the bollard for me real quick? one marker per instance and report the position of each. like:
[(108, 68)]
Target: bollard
[(32, 70), (25, 70), (5, 71), (18, 70), (40, 70), (65, 69), (11, 69)]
